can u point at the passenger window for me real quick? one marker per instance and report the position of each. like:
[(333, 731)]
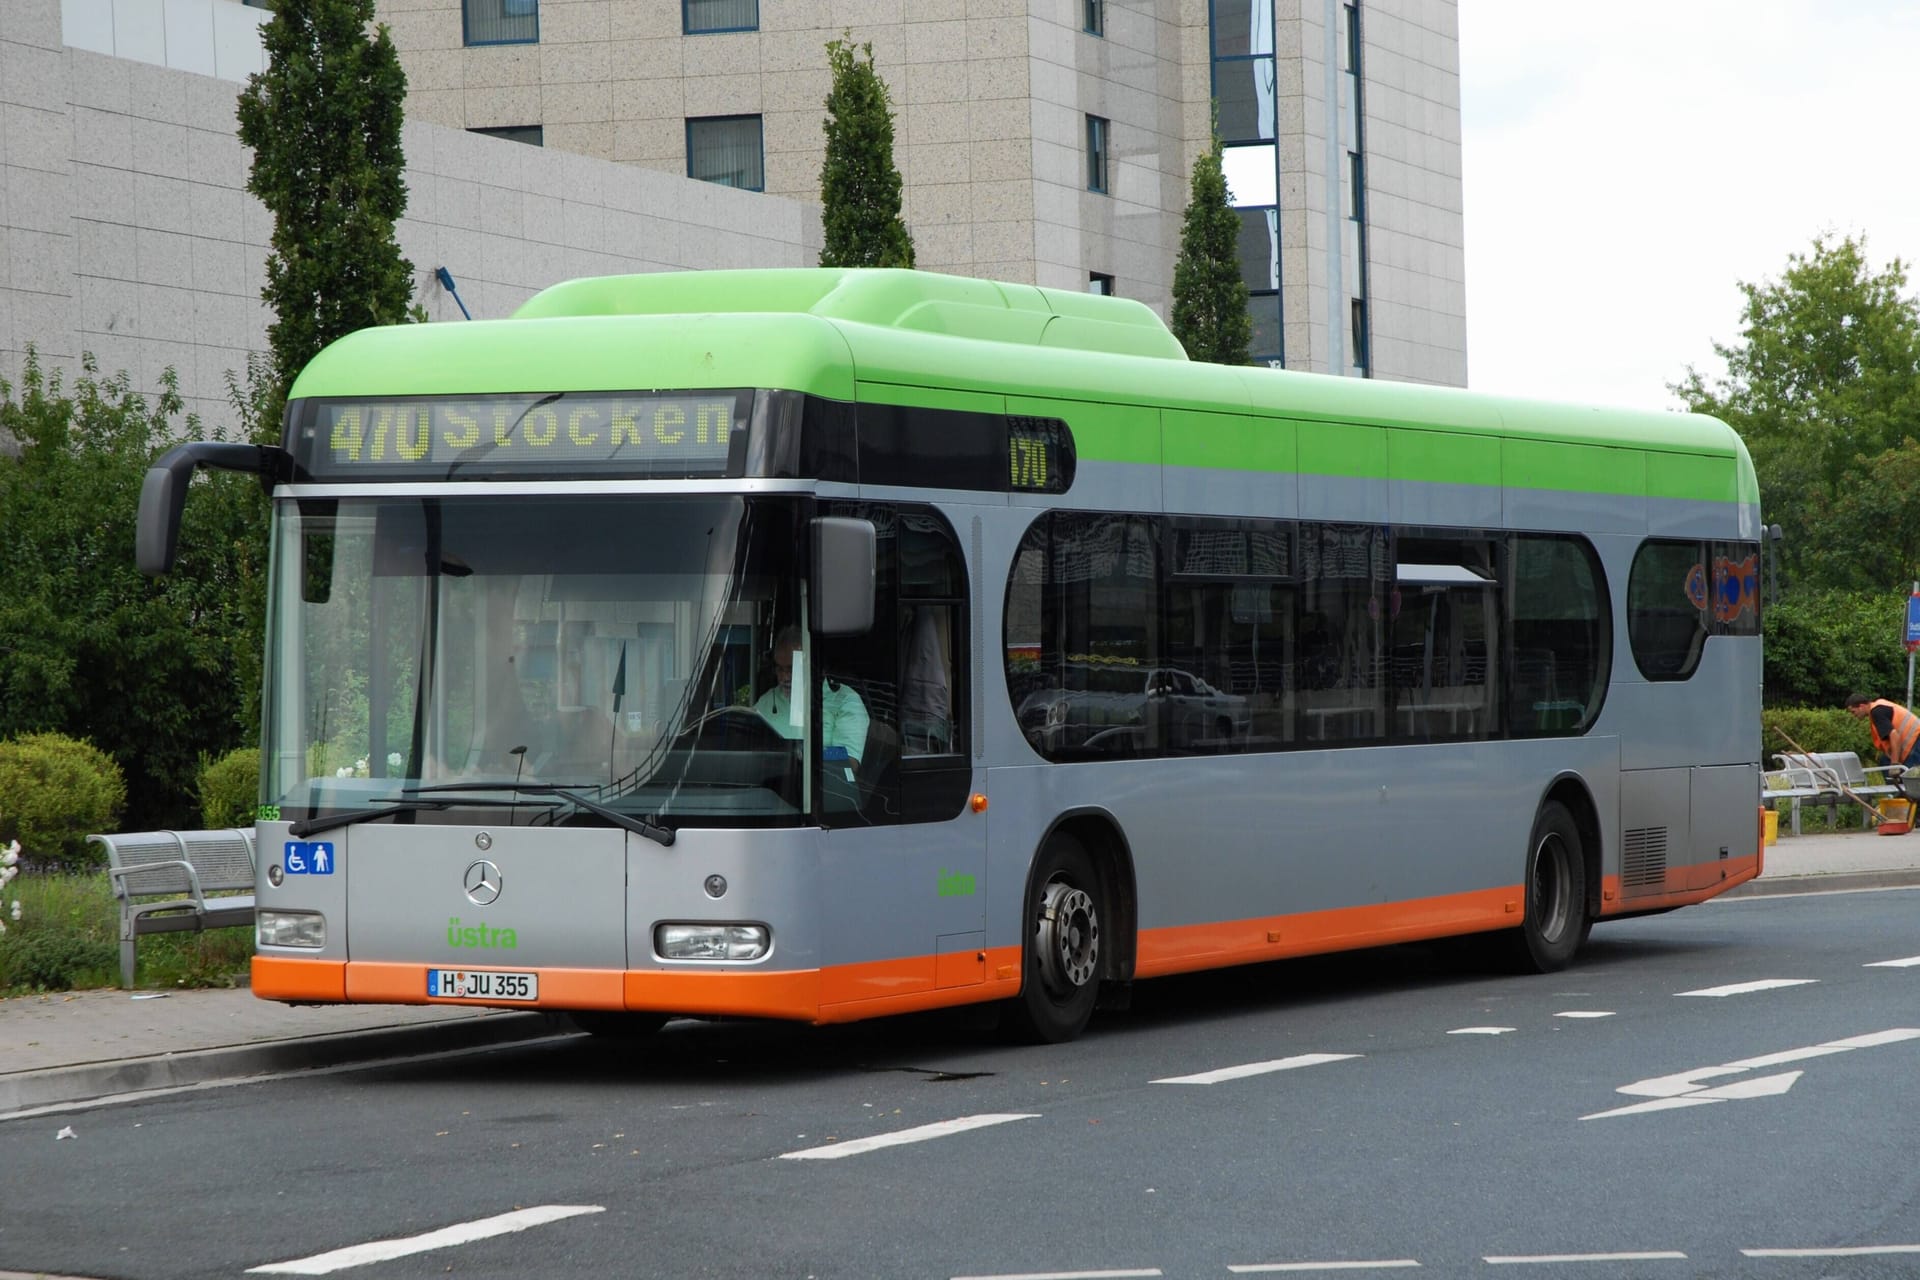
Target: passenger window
[(1562, 636), (1446, 608), (1667, 601)]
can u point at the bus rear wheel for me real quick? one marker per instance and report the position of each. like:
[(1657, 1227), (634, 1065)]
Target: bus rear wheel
[(1060, 974), (1556, 920)]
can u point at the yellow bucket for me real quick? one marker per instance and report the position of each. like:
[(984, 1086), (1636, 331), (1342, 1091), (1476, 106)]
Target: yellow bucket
[(1771, 825), (1896, 816)]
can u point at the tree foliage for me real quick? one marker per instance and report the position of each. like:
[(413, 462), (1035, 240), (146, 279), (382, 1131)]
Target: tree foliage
[(1824, 387), (153, 672), (1209, 296), (859, 185), (323, 121)]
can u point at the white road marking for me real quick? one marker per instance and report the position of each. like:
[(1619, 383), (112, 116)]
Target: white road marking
[(1667, 1255), (1257, 1068), (1584, 1013), (1381, 1264), (1859, 1251), (1688, 1088), (360, 1255), (921, 1133), (1479, 1031), (1907, 963), (1068, 1275), (1743, 988)]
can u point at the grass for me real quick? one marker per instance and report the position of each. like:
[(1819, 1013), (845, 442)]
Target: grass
[(67, 939)]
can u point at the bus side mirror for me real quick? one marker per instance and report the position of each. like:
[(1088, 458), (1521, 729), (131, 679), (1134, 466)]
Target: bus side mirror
[(844, 576), (163, 493)]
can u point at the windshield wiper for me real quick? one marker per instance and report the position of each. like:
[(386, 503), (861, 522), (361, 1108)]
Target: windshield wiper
[(654, 831), (312, 826)]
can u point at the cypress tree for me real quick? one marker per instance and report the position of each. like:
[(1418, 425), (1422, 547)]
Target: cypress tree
[(323, 121), (859, 186), (1209, 296)]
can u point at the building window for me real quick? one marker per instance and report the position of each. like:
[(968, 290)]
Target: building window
[(726, 150), (1357, 187), (704, 17), (1097, 142), (1360, 360), (501, 21), (1101, 283), (532, 134), (1095, 18)]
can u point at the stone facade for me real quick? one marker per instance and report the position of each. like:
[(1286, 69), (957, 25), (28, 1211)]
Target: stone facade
[(126, 230)]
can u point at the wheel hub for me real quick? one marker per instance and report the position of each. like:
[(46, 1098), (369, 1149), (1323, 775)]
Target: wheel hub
[(1069, 937)]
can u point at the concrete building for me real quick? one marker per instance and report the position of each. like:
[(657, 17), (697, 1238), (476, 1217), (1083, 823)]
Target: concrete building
[(1046, 141)]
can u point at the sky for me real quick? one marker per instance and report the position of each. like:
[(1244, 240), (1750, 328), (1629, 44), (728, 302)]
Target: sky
[(1628, 163)]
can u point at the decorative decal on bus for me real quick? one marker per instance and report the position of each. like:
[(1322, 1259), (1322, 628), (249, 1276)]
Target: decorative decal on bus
[(955, 885)]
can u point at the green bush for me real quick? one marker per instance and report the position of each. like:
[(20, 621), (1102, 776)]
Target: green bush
[(55, 960), (230, 789), (1816, 729), (55, 791)]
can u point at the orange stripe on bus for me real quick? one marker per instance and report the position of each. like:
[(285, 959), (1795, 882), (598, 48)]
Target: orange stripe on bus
[(1675, 889), (316, 981), (1186, 948)]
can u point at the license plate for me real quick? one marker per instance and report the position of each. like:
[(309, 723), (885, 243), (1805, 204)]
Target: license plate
[(481, 984)]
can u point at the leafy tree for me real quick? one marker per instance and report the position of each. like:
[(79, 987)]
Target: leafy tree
[(154, 673), (1824, 387), (1209, 296), (324, 123), (1821, 645), (859, 186)]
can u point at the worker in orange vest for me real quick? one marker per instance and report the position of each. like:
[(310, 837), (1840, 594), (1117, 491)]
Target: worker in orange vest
[(1896, 730)]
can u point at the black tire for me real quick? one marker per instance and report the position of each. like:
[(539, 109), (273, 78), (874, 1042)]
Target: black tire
[(615, 1027), (1060, 974), (1555, 923)]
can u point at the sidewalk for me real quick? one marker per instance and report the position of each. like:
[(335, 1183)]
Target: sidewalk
[(64, 1048)]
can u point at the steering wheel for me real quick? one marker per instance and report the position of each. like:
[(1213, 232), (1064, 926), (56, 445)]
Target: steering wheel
[(735, 729)]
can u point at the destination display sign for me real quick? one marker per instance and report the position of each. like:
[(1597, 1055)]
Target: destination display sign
[(576, 433)]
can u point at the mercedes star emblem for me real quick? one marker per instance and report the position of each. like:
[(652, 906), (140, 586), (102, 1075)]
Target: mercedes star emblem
[(483, 883)]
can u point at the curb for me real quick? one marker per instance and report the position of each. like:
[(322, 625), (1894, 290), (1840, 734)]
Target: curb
[(88, 1082), (1826, 882)]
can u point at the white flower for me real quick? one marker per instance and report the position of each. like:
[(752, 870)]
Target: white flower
[(3, 926), (12, 855), (344, 771), (16, 909), (393, 761)]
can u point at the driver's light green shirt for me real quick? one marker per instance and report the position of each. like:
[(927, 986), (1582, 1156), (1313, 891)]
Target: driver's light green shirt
[(843, 717)]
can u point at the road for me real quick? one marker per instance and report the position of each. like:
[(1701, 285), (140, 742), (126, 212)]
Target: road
[(1705, 1093)]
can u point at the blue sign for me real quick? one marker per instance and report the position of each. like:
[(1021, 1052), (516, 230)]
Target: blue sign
[(308, 859), (1913, 622)]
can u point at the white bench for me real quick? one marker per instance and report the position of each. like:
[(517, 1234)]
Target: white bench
[(1824, 777), (163, 880)]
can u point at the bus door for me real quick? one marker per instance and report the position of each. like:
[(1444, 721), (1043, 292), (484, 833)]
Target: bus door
[(904, 862)]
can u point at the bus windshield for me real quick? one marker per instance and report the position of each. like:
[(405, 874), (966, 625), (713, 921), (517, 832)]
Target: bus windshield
[(448, 650)]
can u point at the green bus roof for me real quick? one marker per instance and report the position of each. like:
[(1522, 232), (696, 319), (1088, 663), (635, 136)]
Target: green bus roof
[(894, 335)]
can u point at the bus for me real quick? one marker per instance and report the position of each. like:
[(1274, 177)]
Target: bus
[(821, 644)]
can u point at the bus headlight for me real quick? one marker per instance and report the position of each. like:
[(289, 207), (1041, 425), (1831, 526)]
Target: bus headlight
[(711, 941), (290, 929)]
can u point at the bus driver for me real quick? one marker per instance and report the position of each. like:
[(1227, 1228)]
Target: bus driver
[(843, 716)]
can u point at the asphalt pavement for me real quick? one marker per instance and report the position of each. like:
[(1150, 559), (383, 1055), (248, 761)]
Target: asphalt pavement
[(69, 1047)]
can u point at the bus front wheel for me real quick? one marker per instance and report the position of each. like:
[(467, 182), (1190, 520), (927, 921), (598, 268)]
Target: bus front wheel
[(1060, 975), (1556, 920)]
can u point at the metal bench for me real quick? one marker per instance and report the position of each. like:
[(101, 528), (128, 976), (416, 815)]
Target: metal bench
[(1825, 777), (163, 880)]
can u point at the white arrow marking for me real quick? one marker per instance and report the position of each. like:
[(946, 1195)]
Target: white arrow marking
[(1907, 963), (1763, 1087), (1687, 1088), (1257, 1068), (1584, 1013), (1479, 1031), (1743, 988)]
